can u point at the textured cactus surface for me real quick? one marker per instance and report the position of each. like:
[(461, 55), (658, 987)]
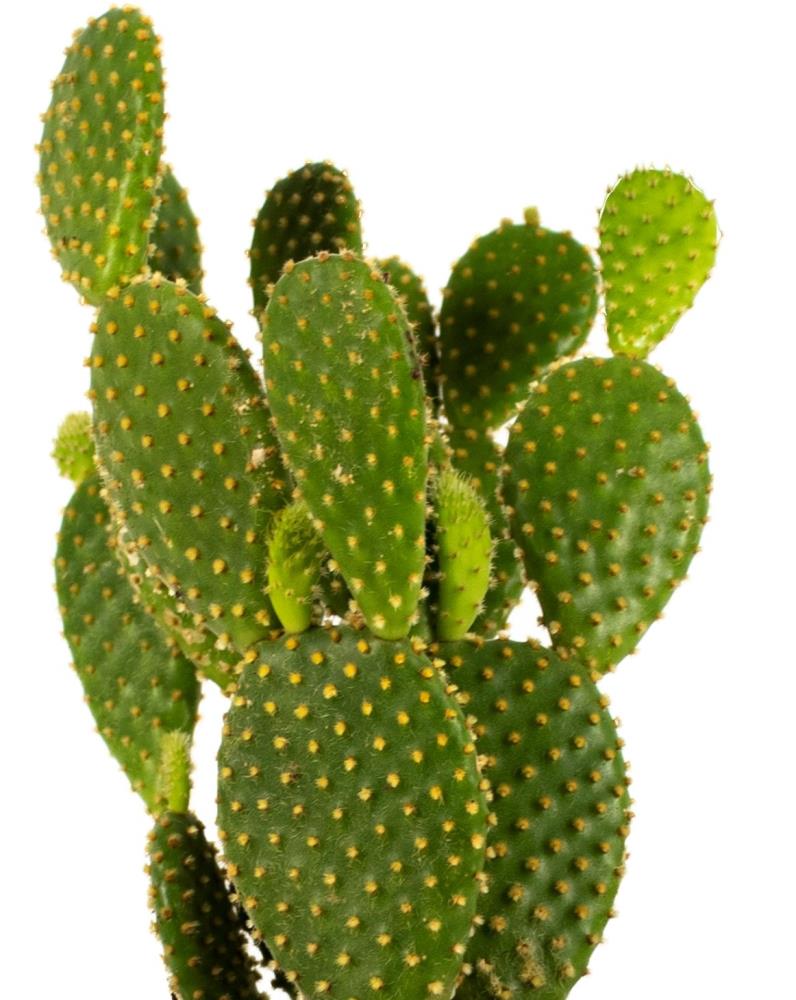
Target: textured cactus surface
[(311, 210), (349, 411), (100, 150), (555, 854), (204, 946), (74, 449), (295, 559), (464, 553), (177, 249), (658, 239), (520, 297), (184, 437), (414, 298), (474, 452), (609, 492), (134, 685), (351, 814)]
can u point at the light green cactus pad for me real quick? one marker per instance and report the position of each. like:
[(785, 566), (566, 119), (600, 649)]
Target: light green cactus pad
[(177, 249), (100, 151), (350, 417), (556, 851), (658, 239), (609, 491), (521, 297), (136, 687), (184, 438), (351, 815), (313, 209)]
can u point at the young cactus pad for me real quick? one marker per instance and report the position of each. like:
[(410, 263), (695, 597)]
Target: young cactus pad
[(295, 559), (464, 550), (556, 851), (658, 239), (520, 297), (351, 815), (73, 450), (204, 945), (100, 151), (135, 686), (177, 249), (609, 492), (184, 438), (311, 210), (350, 416)]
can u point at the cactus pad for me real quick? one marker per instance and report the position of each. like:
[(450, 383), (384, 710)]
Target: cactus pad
[(349, 411), (556, 850), (295, 561), (521, 297), (177, 251), (609, 491), (135, 686), (414, 298), (73, 449), (184, 438), (100, 150), (311, 210), (658, 239), (204, 945), (352, 817)]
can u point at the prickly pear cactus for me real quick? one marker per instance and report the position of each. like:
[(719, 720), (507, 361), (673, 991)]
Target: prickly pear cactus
[(100, 151), (411, 803), (351, 814), (609, 493), (134, 685), (556, 849)]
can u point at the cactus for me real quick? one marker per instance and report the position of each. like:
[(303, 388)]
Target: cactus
[(410, 803), (100, 153), (311, 210), (658, 239), (351, 814), (177, 251)]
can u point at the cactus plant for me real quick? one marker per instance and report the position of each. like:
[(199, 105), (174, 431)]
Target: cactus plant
[(410, 803)]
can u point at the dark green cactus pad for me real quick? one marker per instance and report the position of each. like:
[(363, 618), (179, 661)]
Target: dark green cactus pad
[(414, 298), (521, 297), (177, 249), (658, 239), (183, 631), (475, 453), (555, 853), (135, 686), (100, 151), (609, 491), (204, 945), (350, 417), (351, 814), (312, 209), (183, 435)]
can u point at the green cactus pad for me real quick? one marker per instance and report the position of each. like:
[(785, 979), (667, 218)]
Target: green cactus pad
[(312, 209), (521, 297), (135, 686), (183, 435), (350, 417), (183, 631), (100, 151), (609, 489), (73, 449), (177, 251), (351, 815), (475, 453), (295, 561), (204, 945), (658, 239), (561, 810), (464, 552), (414, 298)]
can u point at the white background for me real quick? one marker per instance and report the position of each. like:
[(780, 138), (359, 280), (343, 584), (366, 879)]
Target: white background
[(448, 117)]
